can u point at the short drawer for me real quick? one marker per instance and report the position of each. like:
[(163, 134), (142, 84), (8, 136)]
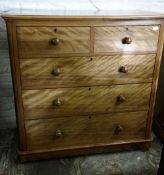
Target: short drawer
[(65, 132), (49, 41), (85, 100), (126, 39), (86, 71)]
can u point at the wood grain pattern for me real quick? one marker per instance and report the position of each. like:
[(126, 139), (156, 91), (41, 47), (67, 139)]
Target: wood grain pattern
[(155, 80), (86, 71), (84, 150), (15, 68), (82, 15), (109, 39), (35, 41), (85, 130), (85, 100), (80, 105)]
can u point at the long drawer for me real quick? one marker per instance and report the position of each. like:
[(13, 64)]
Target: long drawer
[(126, 39), (86, 71), (49, 41), (64, 132), (85, 100)]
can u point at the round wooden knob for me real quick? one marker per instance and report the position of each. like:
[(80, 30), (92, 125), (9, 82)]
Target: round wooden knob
[(123, 69), (58, 133), (56, 71), (57, 102), (55, 41), (118, 129), (126, 40), (120, 98)]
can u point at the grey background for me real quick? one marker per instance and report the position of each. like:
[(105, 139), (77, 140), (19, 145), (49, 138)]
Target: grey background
[(7, 111)]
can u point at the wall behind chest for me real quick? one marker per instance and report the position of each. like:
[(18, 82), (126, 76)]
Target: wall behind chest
[(7, 111)]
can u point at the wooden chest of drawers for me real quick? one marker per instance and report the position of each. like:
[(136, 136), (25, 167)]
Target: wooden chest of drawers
[(84, 84)]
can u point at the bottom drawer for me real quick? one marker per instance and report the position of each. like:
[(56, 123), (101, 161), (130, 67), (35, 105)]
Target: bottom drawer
[(82, 131)]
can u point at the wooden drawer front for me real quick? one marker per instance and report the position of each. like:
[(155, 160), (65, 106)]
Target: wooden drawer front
[(85, 130), (114, 39), (85, 100), (37, 41), (86, 71)]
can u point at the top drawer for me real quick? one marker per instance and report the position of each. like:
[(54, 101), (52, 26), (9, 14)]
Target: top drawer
[(126, 39), (49, 41)]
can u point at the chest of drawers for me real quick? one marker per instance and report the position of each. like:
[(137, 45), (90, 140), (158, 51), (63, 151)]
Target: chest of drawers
[(84, 84)]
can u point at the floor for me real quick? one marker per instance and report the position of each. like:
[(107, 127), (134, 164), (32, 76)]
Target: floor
[(125, 163)]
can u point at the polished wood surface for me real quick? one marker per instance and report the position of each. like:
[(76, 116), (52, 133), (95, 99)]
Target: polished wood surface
[(155, 81), (84, 85), (85, 130), (17, 88), (86, 71), (38, 40), (158, 122), (115, 39), (85, 100), (129, 145), (44, 15)]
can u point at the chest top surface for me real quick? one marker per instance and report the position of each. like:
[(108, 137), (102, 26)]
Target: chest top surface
[(84, 14)]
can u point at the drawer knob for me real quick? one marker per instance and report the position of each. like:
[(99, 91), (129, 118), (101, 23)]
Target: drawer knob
[(56, 71), (127, 40), (123, 69), (120, 98), (58, 133), (57, 102), (55, 41), (118, 129)]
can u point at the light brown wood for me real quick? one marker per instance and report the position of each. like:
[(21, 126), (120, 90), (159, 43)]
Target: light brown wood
[(85, 130), (155, 81), (85, 100), (103, 80), (158, 121), (86, 71), (85, 150), (15, 68), (110, 39), (37, 41), (83, 22), (81, 15)]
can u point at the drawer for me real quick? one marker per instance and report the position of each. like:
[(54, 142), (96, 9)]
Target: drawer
[(85, 100), (86, 71), (65, 132), (49, 41), (126, 39)]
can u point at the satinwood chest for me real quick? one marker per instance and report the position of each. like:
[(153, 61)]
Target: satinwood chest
[(84, 84)]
